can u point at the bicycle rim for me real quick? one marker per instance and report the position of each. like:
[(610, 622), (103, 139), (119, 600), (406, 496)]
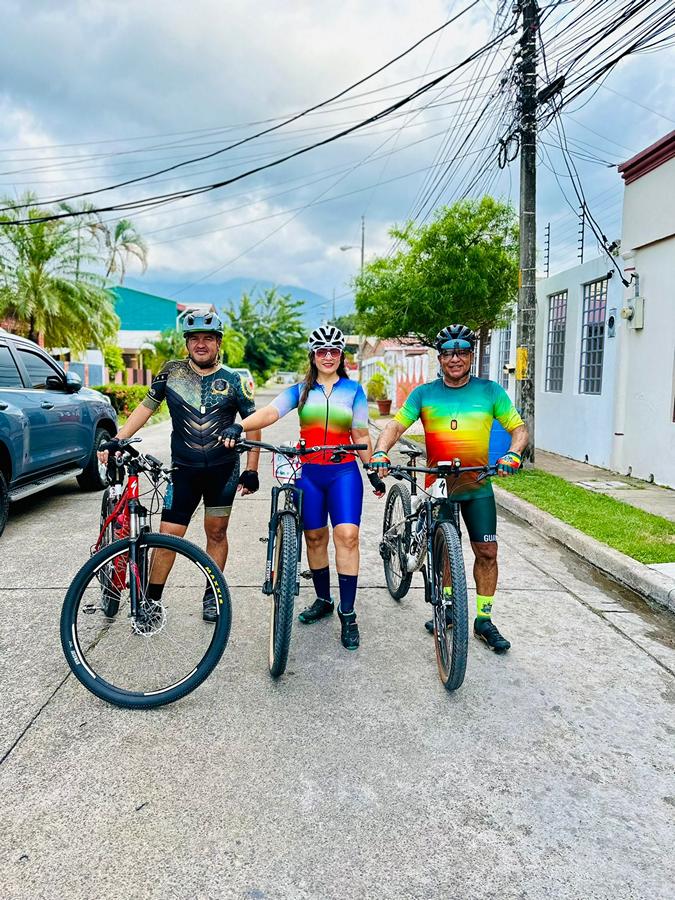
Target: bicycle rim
[(283, 594), (450, 607), (163, 652), (396, 542)]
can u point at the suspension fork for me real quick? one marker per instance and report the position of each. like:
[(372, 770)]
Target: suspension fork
[(275, 515), (428, 568)]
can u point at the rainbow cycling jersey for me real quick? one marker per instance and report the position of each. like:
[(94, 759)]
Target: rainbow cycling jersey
[(457, 424), (326, 418)]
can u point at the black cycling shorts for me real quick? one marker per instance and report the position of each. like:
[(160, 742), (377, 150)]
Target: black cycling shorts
[(216, 485), (480, 517)]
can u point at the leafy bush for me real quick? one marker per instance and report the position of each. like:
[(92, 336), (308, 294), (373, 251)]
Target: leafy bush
[(124, 397), (377, 387)]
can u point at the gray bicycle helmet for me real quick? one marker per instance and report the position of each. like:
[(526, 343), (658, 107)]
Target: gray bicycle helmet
[(326, 336), (191, 323), (449, 338)]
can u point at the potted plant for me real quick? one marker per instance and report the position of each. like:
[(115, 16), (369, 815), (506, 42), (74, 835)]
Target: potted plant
[(377, 391)]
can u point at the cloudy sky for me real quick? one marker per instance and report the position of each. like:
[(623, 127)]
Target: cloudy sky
[(98, 92)]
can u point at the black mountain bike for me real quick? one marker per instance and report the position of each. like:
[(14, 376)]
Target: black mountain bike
[(284, 539), (413, 539), (123, 645)]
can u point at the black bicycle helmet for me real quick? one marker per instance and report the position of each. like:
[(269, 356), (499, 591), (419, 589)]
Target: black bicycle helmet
[(455, 333)]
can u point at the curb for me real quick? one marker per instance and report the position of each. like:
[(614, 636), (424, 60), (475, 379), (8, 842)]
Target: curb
[(627, 571)]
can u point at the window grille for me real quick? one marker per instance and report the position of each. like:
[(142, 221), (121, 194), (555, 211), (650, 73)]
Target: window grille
[(593, 337), (555, 347)]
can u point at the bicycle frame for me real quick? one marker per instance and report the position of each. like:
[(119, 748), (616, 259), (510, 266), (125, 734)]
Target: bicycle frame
[(134, 517)]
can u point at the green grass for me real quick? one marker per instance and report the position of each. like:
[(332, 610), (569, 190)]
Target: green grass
[(641, 535)]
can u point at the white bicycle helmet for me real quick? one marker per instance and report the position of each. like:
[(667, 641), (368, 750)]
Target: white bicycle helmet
[(326, 336)]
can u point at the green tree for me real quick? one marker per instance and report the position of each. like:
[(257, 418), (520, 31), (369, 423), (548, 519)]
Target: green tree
[(462, 267), (169, 345), (113, 359), (123, 242), (348, 324), (43, 282), (275, 334)]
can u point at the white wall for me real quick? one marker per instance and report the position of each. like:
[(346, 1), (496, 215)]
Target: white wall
[(571, 423), (645, 439)]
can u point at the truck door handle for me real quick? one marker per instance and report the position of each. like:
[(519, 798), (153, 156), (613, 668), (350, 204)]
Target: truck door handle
[(47, 404), (3, 405)]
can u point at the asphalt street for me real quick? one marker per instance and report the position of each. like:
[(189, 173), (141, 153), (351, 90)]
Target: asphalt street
[(549, 774)]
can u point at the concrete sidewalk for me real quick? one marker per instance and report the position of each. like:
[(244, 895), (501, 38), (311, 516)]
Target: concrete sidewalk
[(650, 497)]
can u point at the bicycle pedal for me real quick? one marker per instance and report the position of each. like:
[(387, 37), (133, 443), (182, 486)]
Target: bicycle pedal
[(264, 540), (90, 609)]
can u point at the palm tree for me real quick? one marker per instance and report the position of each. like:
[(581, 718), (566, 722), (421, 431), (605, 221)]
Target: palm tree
[(42, 284), (87, 225), (121, 243)]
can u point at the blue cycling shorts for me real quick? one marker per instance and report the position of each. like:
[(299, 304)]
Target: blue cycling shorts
[(330, 490)]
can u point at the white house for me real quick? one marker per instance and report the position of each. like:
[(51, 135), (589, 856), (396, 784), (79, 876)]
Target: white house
[(645, 395), (576, 361)]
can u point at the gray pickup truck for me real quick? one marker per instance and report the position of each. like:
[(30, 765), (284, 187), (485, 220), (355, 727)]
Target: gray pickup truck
[(50, 426)]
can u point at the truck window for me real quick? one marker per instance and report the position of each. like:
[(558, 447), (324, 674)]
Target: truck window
[(9, 374), (38, 367)]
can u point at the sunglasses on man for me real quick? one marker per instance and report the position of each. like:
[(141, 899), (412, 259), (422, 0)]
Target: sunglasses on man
[(459, 353)]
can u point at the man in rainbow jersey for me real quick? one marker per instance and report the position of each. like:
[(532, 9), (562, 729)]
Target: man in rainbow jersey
[(457, 411)]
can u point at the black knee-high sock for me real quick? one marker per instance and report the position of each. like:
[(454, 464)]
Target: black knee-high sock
[(321, 579), (347, 592)]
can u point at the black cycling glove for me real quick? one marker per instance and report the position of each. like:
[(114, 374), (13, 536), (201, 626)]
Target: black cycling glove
[(378, 485), (249, 480), (232, 432)]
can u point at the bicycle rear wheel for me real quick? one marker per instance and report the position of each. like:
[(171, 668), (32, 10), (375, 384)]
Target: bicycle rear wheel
[(163, 652), (396, 541), (450, 606), (284, 582)]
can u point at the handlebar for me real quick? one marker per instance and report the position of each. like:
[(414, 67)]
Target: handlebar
[(142, 461), (301, 450)]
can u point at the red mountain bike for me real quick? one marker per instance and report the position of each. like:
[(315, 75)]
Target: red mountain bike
[(131, 623)]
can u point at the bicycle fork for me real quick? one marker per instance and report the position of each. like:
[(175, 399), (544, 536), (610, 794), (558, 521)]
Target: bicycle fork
[(268, 586)]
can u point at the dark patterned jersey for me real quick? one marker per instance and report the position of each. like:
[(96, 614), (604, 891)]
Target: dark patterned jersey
[(201, 406)]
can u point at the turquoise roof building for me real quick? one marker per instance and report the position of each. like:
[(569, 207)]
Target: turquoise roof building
[(139, 311)]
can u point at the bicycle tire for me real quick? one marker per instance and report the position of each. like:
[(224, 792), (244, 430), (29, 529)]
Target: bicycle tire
[(133, 699), (283, 593), (398, 581), (451, 641)]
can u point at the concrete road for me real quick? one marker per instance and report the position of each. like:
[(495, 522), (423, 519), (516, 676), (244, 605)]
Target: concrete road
[(548, 775)]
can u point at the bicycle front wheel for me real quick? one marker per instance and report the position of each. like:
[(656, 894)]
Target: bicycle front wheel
[(164, 649), (450, 606), (284, 583), (396, 541)]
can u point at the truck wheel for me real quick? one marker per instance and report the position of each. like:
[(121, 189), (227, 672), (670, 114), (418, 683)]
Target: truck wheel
[(4, 502), (93, 477)]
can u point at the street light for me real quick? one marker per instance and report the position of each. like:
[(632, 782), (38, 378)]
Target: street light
[(363, 243)]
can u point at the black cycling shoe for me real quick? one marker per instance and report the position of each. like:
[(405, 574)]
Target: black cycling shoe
[(349, 633), (487, 631), (318, 610), (209, 610)]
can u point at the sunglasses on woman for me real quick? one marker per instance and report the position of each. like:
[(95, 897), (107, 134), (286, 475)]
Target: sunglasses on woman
[(324, 352)]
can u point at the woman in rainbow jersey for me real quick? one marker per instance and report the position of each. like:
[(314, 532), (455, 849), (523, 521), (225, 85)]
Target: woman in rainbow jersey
[(332, 410)]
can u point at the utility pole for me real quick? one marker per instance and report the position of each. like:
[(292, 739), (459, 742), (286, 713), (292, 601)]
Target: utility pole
[(527, 293), (547, 249), (580, 239), (363, 242)]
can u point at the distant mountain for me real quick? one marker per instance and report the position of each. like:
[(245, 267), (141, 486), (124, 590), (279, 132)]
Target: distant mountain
[(226, 292)]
